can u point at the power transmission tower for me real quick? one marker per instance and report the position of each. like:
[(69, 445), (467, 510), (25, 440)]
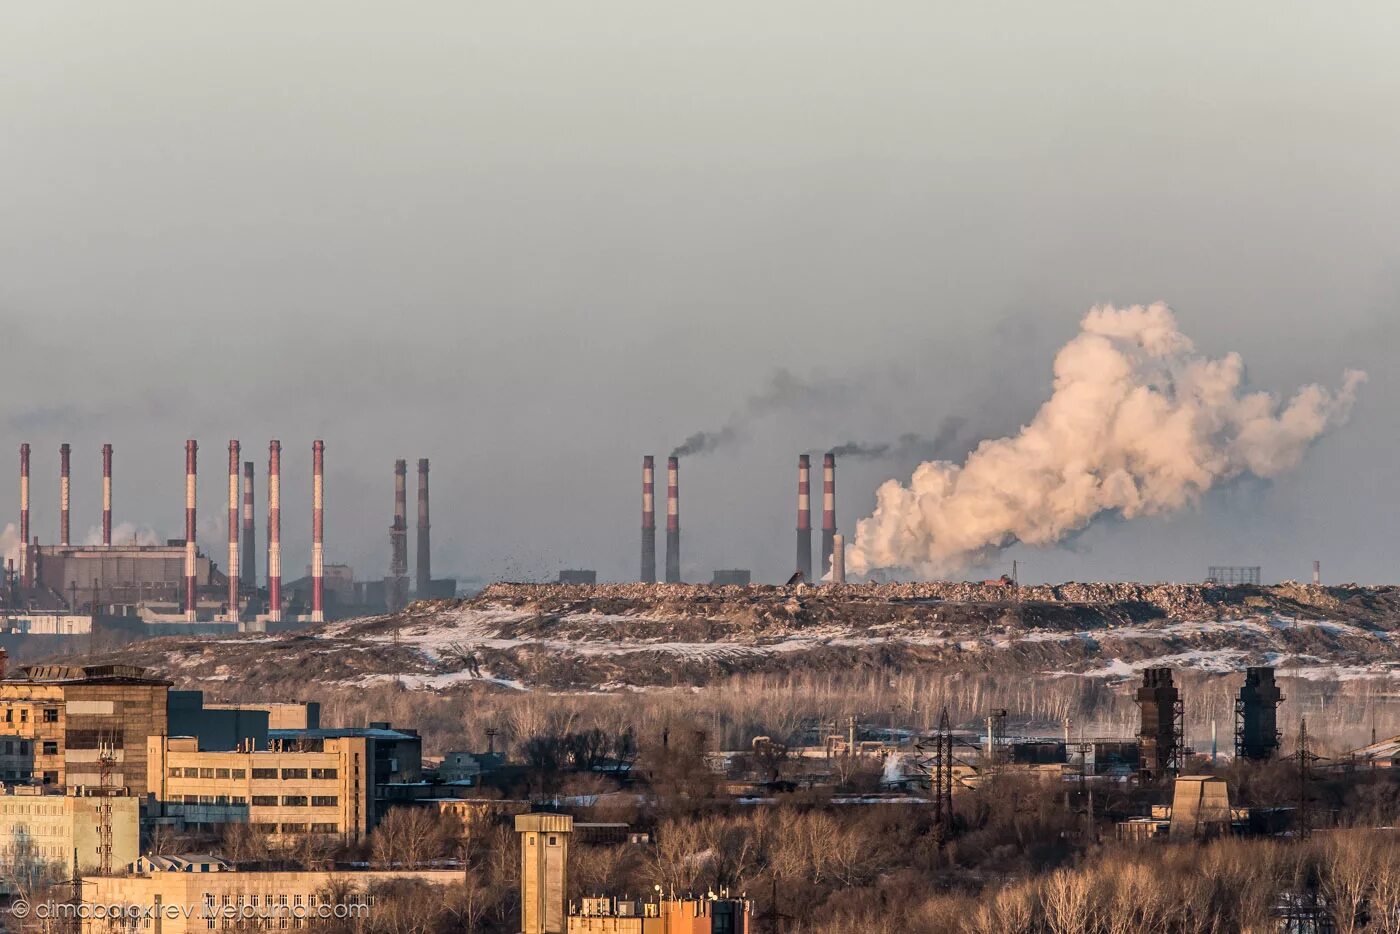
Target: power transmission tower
[(1304, 757)]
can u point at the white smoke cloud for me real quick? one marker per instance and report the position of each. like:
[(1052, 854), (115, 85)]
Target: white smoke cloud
[(124, 533), (9, 544), (1139, 424)]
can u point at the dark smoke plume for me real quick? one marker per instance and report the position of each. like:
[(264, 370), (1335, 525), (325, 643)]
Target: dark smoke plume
[(908, 445), (784, 392)]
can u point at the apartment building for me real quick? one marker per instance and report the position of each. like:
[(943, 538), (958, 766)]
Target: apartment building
[(197, 895), (322, 787), (40, 830), (59, 722)]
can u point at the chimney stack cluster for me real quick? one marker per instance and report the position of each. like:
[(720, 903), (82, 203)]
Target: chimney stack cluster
[(396, 593)]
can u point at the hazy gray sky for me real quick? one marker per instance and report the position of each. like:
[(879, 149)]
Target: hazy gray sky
[(536, 241)]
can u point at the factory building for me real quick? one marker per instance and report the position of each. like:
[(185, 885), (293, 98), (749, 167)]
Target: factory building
[(117, 580), (67, 829), (63, 726)]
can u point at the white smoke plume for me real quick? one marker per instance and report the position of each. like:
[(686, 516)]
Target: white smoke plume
[(123, 533), (1138, 423)]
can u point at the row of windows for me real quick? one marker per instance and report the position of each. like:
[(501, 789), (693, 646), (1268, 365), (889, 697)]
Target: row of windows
[(192, 772), (11, 775), (274, 901), (49, 715), (265, 801), (295, 828)]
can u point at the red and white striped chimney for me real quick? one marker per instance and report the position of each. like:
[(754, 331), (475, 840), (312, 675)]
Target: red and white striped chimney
[(191, 564), (673, 521), (318, 532), (274, 532), (234, 570), (107, 495), (24, 568), (249, 575), (648, 520), (63, 493), (804, 517), (828, 508)]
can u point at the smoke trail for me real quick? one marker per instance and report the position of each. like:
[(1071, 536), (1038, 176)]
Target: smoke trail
[(784, 391), (907, 445), (1139, 424)]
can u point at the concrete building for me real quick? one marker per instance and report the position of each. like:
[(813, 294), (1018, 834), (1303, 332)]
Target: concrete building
[(466, 768), (544, 857), (396, 755), (302, 715), (1200, 808), (326, 787), (119, 578), (223, 899), (57, 829), (57, 720), (667, 916), (213, 727)]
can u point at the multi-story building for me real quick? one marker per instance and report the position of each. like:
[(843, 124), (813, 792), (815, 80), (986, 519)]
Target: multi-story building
[(44, 830), (64, 725), (322, 787), (396, 754), (200, 895), (667, 916)]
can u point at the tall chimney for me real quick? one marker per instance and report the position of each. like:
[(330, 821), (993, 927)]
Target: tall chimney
[(63, 494), (828, 508), (249, 577), (838, 558), (398, 540), (318, 531), (1317, 573), (274, 532), (673, 521), (107, 495), (424, 556), (234, 562), (24, 569), (648, 519), (804, 517), (191, 567)]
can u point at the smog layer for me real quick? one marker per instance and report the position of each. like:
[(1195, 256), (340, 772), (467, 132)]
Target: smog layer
[(630, 636)]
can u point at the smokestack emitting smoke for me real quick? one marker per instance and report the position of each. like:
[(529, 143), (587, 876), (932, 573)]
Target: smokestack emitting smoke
[(249, 577), (828, 508), (24, 568), (318, 531), (804, 517), (64, 491), (191, 567), (233, 550), (673, 522), (107, 495), (274, 531), (398, 540), (838, 559), (648, 520), (425, 547), (1138, 423)]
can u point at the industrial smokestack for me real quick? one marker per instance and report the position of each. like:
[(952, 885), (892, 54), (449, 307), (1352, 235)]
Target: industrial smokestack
[(424, 556), (648, 520), (274, 531), (804, 517), (191, 567), (107, 495), (234, 569), (838, 559), (64, 490), (24, 569), (398, 540), (673, 521), (249, 577), (318, 532), (1317, 573), (828, 507)]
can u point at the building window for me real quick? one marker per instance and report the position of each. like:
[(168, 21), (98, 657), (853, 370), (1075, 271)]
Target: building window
[(264, 801), (294, 773), (294, 828), (238, 773), (264, 773), (191, 773), (221, 773), (50, 714), (50, 778), (324, 773), (324, 801), (24, 715), (50, 747), (9, 715), (324, 828), (294, 801), (23, 748), (206, 773)]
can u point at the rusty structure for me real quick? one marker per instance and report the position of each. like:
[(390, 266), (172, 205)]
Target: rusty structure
[(1256, 716), (673, 521), (1160, 736), (106, 496), (648, 574), (274, 531), (423, 555), (804, 516), (828, 509), (191, 559), (318, 531), (396, 587)]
